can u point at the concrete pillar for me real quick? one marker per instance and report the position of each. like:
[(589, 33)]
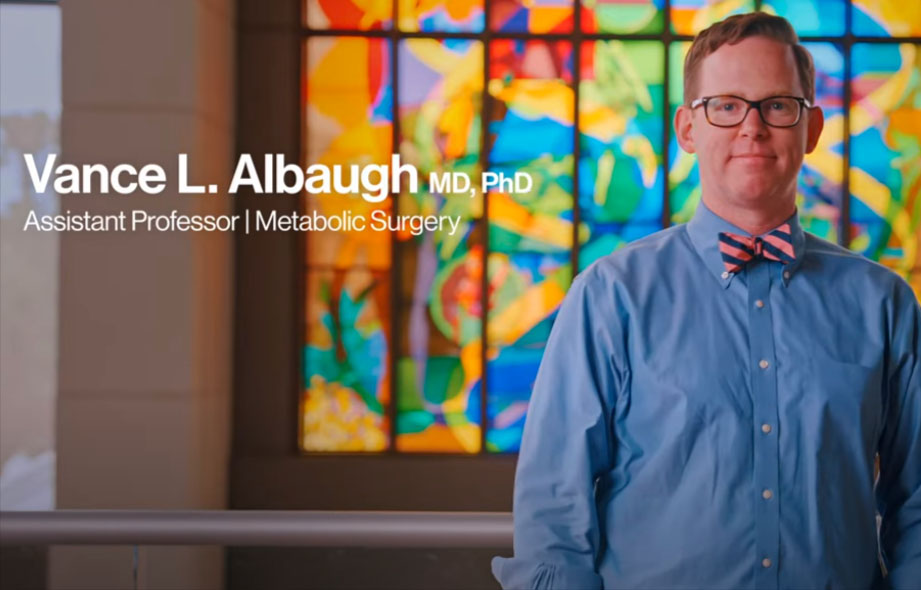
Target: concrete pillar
[(145, 318)]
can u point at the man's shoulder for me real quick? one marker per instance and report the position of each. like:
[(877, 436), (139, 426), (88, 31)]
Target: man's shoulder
[(634, 269), (845, 264), (818, 246)]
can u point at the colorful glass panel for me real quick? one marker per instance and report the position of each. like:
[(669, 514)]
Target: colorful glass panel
[(525, 291), (683, 174), (885, 175), (886, 18), (441, 15), (810, 17), (820, 189), (621, 108), (360, 15), (348, 122), (530, 234), (531, 16), (623, 16), (346, 395), (439, 371), (690, 17)]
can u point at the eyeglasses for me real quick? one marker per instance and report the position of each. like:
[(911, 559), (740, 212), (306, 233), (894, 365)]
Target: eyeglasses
[(727, 110)]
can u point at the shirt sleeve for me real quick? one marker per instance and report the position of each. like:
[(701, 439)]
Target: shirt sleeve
[(898, 491), (566, 445)]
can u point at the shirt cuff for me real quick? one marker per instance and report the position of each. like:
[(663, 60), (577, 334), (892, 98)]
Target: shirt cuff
[(515, 573)]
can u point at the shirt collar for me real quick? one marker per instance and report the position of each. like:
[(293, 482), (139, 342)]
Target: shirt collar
[(704, 229)]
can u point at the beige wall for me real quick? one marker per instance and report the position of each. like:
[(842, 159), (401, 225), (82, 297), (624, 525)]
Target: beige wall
[(145, 318)]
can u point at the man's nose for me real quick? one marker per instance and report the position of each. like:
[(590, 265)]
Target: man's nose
[(752, 125)]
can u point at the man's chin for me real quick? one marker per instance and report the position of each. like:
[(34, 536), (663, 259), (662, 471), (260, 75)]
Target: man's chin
[(755, 194)]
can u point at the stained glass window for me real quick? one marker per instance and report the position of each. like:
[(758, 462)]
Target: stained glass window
[(885, 174), (439, 368), (430, 343), (346, 354), (621, 110), (820, 190), (530, 235)]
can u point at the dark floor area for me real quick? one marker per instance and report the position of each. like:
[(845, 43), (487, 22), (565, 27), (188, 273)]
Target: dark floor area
[(290, 568), (23, 568)]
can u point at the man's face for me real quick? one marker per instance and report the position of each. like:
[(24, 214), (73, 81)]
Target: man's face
[(752, 165)]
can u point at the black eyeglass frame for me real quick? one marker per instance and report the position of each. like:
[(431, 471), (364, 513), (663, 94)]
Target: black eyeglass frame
[(752, 104)]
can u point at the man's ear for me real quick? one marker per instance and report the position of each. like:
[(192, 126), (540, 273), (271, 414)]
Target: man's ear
[(815, 121), (683, 126)]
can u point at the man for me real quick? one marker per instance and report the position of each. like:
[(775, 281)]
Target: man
[(713, 397)]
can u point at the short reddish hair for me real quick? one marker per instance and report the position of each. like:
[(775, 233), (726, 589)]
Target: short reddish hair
[(741, 26)]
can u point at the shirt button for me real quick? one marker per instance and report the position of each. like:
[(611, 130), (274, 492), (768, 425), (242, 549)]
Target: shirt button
[(786, 275), (764, 364), (725, 274), (766, 428), (767, 494), (759, 304), (766, 562)]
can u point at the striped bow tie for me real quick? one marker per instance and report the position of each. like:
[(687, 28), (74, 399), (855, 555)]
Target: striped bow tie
[(737, 250)]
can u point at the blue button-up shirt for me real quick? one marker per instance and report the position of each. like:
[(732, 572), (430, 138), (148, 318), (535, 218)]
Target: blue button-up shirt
[(691, 428)]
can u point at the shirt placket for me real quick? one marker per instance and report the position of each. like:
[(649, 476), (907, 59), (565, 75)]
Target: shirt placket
[(766, 460)]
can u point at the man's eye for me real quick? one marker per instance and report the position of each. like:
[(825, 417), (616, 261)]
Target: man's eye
[(778, 106), (728, 107)]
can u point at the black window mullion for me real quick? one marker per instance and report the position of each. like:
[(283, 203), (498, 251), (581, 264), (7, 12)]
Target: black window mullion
[(500, 35), (667, 39), (396, 293), (844, 219), (576, 135), (485, 112)]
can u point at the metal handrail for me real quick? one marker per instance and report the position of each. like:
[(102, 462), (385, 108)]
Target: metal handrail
[(309, 528)]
